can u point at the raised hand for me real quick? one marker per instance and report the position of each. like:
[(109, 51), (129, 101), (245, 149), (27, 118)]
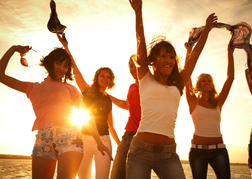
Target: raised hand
[(210, 21), (8, 80), (62, 39), (188, 48), (22, 49), (136, 4)]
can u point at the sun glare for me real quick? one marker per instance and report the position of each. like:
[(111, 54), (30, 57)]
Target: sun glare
[(80, 117)]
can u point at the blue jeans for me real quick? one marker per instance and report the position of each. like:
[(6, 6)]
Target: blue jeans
[(165, 165), (119, 164), (217, 158)]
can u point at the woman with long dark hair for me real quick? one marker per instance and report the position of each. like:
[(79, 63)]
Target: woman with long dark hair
[(154, 146)]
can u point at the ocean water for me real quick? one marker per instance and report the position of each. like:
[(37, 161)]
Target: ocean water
[(21, 168)]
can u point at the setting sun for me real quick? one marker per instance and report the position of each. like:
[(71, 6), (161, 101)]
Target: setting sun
[(80, 117)]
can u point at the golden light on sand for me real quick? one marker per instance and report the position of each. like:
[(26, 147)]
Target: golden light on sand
[(80, 117)]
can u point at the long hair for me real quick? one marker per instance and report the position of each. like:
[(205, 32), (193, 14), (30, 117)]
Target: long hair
[(132, 58), (174, 79), (59, 55), (93, 89), (213, 96)]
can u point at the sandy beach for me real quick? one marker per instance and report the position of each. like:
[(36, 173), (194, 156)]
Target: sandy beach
[(18, 166)]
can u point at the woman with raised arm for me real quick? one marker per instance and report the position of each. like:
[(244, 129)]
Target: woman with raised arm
[(100, 106), (205, 109), (154, 146), (52, 102)]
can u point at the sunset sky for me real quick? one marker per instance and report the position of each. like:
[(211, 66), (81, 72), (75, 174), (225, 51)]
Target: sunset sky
[(102, 33)]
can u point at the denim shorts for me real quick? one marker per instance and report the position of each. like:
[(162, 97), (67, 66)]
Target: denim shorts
[(51, 142)]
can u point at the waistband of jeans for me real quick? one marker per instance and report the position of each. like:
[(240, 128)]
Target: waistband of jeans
[(211, 146), (156, 148)]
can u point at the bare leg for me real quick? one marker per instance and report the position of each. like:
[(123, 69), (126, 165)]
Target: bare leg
[(68, 165), (43, 168)]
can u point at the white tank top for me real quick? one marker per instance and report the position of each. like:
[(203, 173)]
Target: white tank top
[(206, 121), (159, 105)]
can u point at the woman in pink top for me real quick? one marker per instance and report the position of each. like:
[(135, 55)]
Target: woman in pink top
[(58, 139), (205, 109)]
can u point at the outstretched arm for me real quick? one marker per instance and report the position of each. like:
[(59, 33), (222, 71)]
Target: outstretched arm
[(189, 66), (247, 78), (230, 76), (7, 80), (141, 44), (120, 103), (77, 74), (190, 96), (78, 103)]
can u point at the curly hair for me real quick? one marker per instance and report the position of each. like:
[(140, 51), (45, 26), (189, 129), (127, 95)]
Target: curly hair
[(213, 96), (175, 78), (59, 55), (93, 89)]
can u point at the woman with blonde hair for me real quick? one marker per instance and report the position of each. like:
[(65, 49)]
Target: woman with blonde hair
[(205, 108), (212, 94), (99, 104)]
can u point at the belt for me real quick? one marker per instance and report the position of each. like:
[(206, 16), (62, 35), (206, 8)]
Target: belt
[(156, 148), (212, 146)]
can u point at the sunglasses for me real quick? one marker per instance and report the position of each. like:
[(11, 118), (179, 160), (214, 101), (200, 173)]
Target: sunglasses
[(32, 55)]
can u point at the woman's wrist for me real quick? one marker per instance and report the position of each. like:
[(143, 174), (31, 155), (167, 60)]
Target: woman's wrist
[(138, 11), (14, 47), (230, 51), (99, 141), (207, 30)]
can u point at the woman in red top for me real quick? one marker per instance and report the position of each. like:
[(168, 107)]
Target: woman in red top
[(132, 103)]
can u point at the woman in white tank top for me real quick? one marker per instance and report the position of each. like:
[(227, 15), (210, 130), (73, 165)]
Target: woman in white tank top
[(154, 146), (205, 109)]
